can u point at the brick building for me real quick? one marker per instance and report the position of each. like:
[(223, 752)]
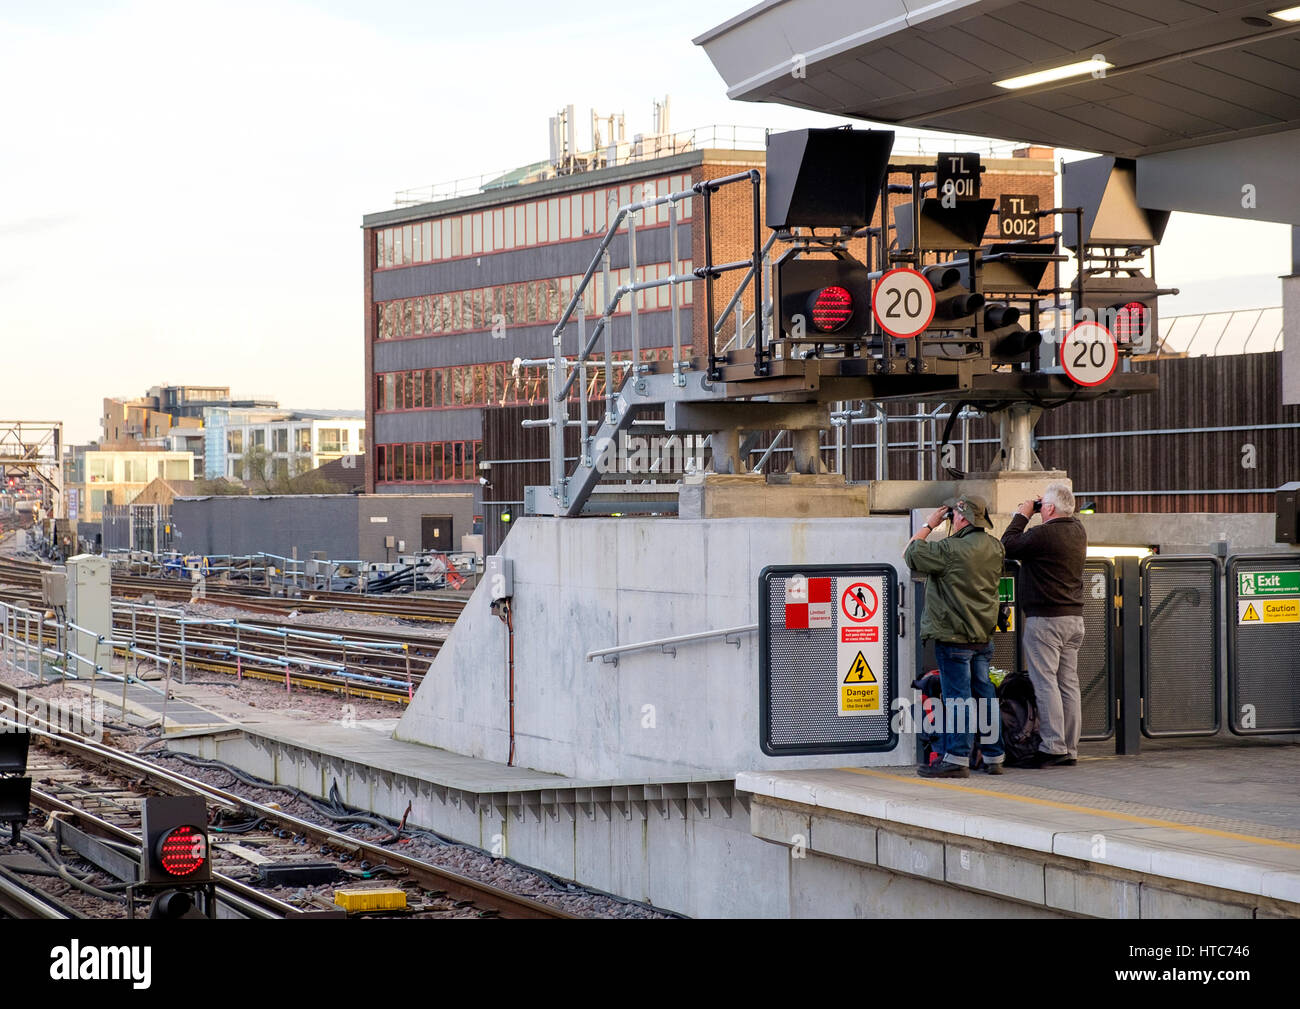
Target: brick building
[(456, 290)]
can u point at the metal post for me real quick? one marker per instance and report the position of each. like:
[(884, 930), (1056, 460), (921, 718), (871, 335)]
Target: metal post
[(584, 436), (714, 361), (1128, 667), (882, 443), (607, 325), (679, 378), (918, 357), (634, 295), (183, 679), (761, 366), (167, 689)]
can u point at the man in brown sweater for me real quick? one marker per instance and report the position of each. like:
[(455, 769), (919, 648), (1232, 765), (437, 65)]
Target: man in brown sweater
[(1051, 597)]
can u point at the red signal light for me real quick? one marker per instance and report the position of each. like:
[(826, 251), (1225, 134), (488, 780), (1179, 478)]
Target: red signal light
[(832, 308), (182, 851), (1131, 322)]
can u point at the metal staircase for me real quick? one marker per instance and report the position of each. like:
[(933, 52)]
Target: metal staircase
[(645, 385)]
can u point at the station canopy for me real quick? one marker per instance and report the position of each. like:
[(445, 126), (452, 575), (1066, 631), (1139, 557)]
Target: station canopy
[(1127, 77)]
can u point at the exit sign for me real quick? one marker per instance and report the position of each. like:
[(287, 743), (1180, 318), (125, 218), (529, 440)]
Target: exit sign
[(1268, 583)]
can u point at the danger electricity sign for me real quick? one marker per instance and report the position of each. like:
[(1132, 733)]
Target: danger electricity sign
[(859, 650)]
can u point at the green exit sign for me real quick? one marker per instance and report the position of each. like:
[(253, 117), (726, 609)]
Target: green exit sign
[(1007, 589), (1267, 583)]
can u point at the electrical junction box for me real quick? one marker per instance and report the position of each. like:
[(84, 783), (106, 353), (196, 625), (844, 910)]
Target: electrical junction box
[(500, 577), (90, 607), (54, 588)]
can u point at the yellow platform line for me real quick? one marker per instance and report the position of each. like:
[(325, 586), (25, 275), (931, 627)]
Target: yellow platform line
[(1145, 821)]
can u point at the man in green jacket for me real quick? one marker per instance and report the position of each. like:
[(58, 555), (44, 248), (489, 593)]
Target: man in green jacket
[(961, 612)]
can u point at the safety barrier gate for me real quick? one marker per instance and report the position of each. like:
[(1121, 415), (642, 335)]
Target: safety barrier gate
[(1097, 654), (1264, 644), (1157, 632), (827, 658), (1181, 668)]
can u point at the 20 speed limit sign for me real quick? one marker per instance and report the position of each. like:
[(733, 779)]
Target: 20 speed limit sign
[(1089, 354), (903, 303)]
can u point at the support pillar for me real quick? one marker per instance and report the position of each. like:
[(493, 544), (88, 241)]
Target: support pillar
[(807, 446), (1017, 432)]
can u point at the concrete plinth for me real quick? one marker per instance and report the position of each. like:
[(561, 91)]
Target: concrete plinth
[(1003, 491), (778, 495), (686, 711)]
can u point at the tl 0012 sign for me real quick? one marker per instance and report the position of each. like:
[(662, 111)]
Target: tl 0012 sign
[(1018, 216)]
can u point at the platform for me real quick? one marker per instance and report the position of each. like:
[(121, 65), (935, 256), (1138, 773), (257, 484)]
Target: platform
[(1188, 830)]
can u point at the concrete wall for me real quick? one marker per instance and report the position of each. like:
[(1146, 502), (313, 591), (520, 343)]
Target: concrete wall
[(594, 583), (1188, 533), (340, 525)]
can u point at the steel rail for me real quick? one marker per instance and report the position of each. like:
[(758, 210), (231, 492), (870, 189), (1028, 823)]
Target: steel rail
[(456, 885)]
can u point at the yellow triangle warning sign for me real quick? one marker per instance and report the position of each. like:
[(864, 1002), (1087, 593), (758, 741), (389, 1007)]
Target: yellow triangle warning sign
[(1250, 613), (860, 671)]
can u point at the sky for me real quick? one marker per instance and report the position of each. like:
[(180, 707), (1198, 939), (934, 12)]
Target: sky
[(184, 181)]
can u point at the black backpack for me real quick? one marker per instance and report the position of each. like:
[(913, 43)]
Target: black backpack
[(1020, 737)]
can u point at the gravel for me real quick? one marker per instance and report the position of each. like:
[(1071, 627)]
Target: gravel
[(468, 861)]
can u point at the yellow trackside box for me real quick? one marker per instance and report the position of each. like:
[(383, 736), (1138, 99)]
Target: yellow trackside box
[(388, 898)]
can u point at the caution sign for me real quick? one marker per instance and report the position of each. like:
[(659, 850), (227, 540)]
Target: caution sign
[(859, 649), (860, 671), (1268, 611)]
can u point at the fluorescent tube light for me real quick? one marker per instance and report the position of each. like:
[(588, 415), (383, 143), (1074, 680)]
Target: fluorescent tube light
[(1054, 74)]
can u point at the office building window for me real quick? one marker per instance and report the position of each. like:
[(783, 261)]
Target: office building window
[(428, 462), (534, 222)]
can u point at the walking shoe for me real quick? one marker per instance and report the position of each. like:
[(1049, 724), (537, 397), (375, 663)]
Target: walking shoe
[(942, 770), (993, 769), (1042, 759)]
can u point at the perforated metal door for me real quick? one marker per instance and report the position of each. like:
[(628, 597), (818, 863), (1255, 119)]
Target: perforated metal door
[(1181, 671), (1264, 644), (799, 679), (1096, 655)]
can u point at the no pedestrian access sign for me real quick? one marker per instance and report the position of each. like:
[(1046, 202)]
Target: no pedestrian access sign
[(827, 658)]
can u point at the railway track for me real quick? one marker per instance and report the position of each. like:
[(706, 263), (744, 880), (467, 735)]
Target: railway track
[(95, 792), (26, 575), (374, 663)]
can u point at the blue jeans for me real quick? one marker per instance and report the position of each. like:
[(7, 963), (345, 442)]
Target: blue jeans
[(964, 677)]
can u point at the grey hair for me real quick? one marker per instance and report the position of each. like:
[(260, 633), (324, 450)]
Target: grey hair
[(1060, 497)]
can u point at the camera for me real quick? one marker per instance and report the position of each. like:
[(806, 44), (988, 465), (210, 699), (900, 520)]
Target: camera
[(1038, 506)]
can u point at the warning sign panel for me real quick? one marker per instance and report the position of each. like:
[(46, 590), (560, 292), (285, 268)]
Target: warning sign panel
[(1268, 611), (859, 651), (808, 604), (828, 658)]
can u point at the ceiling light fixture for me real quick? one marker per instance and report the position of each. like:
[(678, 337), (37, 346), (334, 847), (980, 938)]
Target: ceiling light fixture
[(1054, 74), (1290, 14)]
